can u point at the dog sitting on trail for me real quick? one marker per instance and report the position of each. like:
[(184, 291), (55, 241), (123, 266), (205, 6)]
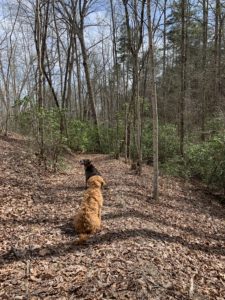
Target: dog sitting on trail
[(88, 219), (89, 168)]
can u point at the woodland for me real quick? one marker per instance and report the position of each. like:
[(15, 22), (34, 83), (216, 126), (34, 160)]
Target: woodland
[(138, 87)]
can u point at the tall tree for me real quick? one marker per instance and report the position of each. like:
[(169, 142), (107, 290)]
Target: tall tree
[(164, 58), (116, 66), (7, 72), (218, 33), (135, 40), (183, 72), (204, 60), (75, 12), (153, 98), (40, 43)]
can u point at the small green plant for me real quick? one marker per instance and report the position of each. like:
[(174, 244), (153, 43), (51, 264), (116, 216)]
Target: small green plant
[(168, 143), (207, 161), (52, 136), (82, 136)]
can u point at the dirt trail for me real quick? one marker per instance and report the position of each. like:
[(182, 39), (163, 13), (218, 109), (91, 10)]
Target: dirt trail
[(146, 250)]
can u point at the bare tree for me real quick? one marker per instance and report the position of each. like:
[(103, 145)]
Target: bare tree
[(183, 72), (135, 40), (7, 73), (116, 81), (40, 35), (153, 97), (164, 59), (75, 12), (204, 57)]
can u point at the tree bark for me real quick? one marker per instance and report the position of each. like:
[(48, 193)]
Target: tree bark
[(155, 193), (204, 56), (164, 61), (77, 26), (135, 41), (183, 72), (115, 82), (40, 58)]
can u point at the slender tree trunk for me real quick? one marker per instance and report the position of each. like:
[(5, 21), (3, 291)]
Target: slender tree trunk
[(126, 133), (204, 56), (219, 24), (137, 120), (220, 36), (70, 74), (135, 40), (38, 43), (155, 193), (78, 71), (88, 79), (216, 50), (7, 73), (89, 84), (183, 72), (116, 84), (164, 60)]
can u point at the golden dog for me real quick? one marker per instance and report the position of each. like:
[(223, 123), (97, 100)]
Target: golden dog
[(88, 219)]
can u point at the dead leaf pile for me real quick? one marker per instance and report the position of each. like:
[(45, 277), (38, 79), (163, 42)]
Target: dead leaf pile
[(170, 249)]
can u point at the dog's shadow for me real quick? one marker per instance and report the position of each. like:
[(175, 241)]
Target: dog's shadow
[(68, 229), (80, 188)]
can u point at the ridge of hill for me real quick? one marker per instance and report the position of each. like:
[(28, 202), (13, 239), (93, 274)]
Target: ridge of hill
[(170, 249)]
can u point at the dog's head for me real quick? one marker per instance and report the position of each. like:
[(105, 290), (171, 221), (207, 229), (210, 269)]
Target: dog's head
[(96, 182), (85, 162)]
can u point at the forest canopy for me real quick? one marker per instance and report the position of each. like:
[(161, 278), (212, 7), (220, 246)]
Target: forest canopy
[(83, 74)]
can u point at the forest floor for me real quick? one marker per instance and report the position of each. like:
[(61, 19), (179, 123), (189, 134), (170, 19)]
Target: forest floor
[(170, 249)]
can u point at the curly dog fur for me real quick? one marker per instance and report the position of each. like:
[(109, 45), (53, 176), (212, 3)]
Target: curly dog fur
[(88, 219)]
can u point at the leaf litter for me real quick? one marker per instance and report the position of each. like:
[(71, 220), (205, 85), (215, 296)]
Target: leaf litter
[(170, 249)]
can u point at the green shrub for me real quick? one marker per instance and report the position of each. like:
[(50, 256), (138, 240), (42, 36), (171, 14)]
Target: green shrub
[(22, 119), (176, 166), (168, 143), (24, 122), (82, 136), (108, 139), (216, 124), (204, 161), (52, 136), (207, 160)]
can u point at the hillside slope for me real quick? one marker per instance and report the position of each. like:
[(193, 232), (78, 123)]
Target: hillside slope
[(171, 249)]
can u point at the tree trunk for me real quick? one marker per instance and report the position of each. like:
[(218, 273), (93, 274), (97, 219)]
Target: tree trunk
[(183, 72), (155, 193), (135, 40), (38, 43), (77, 58), (115, 82), (89, 84), (204, 54), (137, 118), (164, 61)]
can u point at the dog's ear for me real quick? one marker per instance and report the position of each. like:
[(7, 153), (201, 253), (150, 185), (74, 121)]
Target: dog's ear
[(102, 181)]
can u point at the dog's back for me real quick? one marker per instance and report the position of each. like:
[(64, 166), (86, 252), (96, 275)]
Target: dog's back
[(88, 218), (90, 169)]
